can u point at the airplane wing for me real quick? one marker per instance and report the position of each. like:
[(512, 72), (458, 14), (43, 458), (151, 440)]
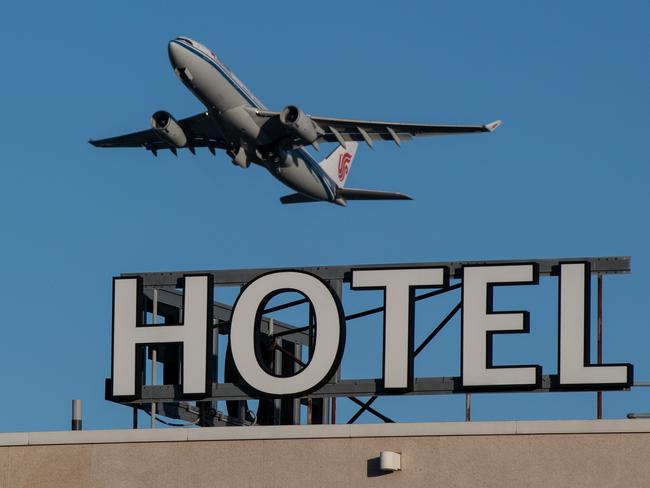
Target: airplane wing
[(341, 130), (199, 129)]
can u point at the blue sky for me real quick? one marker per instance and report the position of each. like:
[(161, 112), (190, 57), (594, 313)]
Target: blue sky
[(565, 176)]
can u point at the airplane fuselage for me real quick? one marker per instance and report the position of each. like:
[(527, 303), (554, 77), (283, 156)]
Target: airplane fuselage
[(232, 107)]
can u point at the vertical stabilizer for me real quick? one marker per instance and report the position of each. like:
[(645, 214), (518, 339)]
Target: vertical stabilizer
[(337, 164)]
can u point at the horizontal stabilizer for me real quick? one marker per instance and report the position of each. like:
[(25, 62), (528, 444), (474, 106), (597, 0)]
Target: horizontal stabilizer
[(359, 194), (296, 198)]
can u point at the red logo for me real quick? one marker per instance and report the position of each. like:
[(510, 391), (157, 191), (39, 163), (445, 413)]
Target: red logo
[(344, 165)]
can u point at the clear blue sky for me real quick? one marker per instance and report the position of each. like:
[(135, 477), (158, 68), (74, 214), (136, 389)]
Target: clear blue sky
[(565, 176)]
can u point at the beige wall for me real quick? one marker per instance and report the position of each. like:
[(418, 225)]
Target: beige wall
[(449, 459)]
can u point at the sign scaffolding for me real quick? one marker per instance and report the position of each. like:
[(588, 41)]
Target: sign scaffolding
[(288, 366)]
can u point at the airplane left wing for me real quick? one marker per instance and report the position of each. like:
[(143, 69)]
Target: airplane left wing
[(341, 130), (199, 130)]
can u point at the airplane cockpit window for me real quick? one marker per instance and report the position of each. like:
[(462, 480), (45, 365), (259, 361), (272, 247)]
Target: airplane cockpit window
[(205, 50), (200, 47)]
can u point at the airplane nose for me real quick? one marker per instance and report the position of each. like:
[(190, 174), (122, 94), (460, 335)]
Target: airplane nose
[(179, 59), (174, 51)]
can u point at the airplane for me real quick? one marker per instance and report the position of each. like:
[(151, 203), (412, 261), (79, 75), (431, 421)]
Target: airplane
[(237, 122)]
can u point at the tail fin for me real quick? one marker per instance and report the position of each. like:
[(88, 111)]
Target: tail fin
[(337, 164)]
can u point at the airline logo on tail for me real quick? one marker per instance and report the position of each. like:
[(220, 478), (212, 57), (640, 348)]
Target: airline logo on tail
[(344, 165), (339, 163)]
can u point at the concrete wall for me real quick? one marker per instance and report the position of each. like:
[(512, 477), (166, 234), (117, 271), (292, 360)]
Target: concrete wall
[(476, 454)]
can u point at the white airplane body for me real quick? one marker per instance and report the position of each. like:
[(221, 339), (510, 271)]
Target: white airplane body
[(239, 123)]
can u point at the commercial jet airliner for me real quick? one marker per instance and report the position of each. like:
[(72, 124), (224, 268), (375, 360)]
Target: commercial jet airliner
[(237, 122)]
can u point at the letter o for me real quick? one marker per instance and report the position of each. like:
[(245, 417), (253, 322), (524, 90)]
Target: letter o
[(330, 340)]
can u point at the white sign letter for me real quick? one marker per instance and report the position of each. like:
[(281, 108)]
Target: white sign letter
[(399, 287), (130, 332), (480, 323), (330, 337), (573, 359)]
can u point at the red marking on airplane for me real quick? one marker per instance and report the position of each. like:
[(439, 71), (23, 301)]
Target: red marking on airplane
[(344, 165)]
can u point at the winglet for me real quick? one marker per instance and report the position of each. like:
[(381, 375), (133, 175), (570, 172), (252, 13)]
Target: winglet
[(492, 126)]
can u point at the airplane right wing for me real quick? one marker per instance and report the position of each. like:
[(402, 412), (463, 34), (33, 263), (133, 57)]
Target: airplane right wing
[(199, 130), (369, 130), (333, 129)]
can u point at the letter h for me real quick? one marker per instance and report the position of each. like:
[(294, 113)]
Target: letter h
[(193, 335)]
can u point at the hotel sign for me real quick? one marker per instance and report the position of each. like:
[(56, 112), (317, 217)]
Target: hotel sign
[(480, 322)]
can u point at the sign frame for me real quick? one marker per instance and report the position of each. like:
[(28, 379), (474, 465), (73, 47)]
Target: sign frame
[(334, 276)]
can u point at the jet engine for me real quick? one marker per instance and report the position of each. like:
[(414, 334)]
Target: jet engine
[(299, 124), (166, 127)]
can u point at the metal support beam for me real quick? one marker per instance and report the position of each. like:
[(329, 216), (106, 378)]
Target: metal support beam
[(599, 395), (154, 356), (238, 277), (367, 407), (277, 370), (435, 332), (438, 385), (363, 408), (419, 349)]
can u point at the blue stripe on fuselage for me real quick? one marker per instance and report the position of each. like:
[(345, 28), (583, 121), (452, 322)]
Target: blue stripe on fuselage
[(244, 92), (317, 171)]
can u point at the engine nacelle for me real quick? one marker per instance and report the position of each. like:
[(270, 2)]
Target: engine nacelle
[(299, 124), (166, 126)]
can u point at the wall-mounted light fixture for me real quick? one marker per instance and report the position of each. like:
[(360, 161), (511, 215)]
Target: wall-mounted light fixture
[(390, 461)]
